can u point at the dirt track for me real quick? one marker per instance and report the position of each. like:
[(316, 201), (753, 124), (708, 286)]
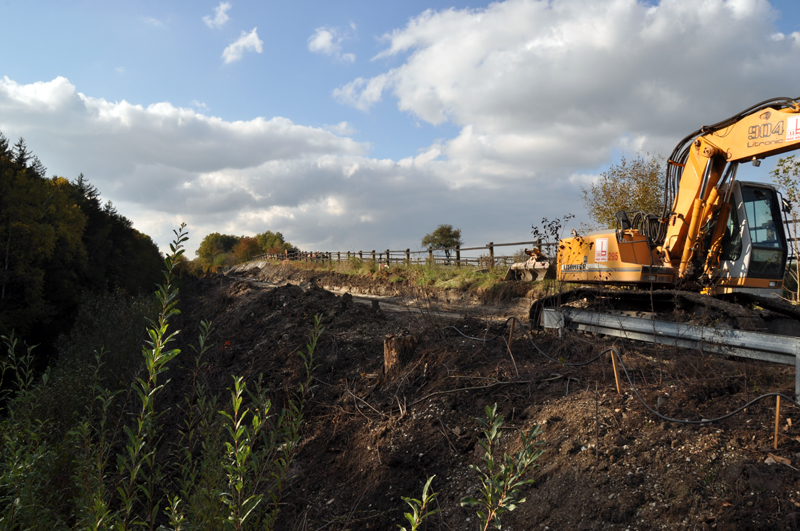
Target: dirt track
[(609, 464)]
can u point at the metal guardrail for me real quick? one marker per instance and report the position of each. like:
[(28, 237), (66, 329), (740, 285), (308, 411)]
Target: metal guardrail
[(753, 345)]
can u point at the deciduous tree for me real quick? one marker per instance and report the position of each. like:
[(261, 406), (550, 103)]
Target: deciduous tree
[(632, 185), (787, 176), (246, 249), (445, 238), (214, 247), (273, 242)]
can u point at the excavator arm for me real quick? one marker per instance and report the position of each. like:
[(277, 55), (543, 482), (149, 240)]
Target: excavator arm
[(697, 170)]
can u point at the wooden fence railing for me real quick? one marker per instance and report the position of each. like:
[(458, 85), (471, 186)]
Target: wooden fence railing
[(458, 256)]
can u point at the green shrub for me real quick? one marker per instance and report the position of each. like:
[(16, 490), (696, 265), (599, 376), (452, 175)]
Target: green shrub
[(501, 480), (418, 507)]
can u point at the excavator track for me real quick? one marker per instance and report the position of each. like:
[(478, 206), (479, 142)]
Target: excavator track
[(738, 312)]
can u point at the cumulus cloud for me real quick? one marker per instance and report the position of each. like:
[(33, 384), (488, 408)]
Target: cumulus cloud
[(220, 16), (162, 158), (163, 164), (328, 41), (342, 128), (247, 42), (558, 83)]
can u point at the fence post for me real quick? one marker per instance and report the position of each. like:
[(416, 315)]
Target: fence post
[(430, 255), (338, 256), (360, 255), (388, 258), (408, 256), (491, 255), (458, 256), (373, 255)]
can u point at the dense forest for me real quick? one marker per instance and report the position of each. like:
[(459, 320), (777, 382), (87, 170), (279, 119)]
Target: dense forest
[(60, 243), (86, 310)]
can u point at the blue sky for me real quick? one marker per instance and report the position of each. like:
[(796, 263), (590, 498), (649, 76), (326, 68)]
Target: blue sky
[(358, 125)]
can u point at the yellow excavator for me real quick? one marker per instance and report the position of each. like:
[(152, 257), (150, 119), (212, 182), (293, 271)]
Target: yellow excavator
[(716, 235)]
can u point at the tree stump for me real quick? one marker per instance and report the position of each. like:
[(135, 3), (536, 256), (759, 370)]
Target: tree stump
[(398, 350)]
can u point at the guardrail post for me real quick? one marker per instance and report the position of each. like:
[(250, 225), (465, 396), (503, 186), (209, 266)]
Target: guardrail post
[(491, 255), (408, 256), (797, 375), (388, 259), (458, 264)]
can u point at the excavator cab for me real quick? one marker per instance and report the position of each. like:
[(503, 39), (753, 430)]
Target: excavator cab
[(754, 255)]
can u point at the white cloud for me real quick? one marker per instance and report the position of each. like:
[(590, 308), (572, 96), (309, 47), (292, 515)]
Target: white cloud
[(323, 42), (152, 21), (220, 16), (363, 93), (160, 160), (162, 164), (342, 128), (557, 85), (328, 41), (199, 105), (247, 42)]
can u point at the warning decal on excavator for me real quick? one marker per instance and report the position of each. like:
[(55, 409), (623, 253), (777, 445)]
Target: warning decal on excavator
[(793, 128), (601, 250)]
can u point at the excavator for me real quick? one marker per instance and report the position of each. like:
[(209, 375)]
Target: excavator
[(716, 236)]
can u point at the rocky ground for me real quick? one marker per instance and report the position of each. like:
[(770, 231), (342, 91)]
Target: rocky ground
[(372, 437)]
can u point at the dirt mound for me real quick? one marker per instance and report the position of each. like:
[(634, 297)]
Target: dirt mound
[(371, 438)]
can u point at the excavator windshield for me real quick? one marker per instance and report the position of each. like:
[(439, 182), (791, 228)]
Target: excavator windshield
[(767, 238)]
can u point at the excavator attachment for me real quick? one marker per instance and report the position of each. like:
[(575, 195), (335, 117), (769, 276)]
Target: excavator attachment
[(535, 268)]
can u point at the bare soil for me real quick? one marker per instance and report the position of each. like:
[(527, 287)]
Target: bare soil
[(609, 464)]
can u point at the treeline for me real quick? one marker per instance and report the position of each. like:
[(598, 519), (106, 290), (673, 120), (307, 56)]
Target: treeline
[(223, 250), (58, 240)]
